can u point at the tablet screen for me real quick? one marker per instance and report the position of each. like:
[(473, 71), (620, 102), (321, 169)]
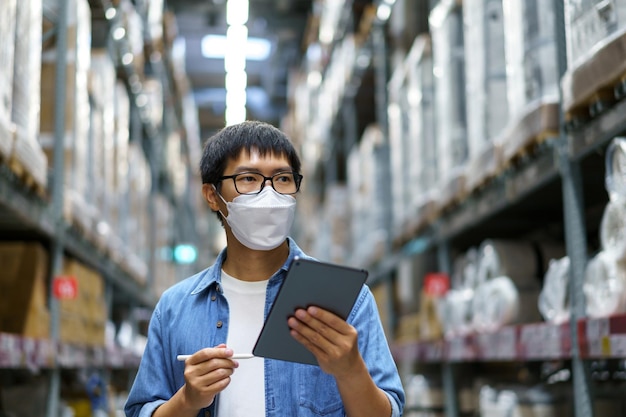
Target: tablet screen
[(308, 282)]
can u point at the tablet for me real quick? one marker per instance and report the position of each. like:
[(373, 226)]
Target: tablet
[(307, 283)]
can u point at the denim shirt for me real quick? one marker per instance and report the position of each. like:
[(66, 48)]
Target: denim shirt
[(193, 314)]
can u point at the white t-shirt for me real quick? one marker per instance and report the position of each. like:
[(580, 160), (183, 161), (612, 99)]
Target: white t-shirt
[(245, 395)]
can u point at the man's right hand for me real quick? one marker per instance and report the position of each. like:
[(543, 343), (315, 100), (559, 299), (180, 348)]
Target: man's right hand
[(207, 372)]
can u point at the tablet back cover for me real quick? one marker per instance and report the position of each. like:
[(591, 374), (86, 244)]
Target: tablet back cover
[(329, 286)]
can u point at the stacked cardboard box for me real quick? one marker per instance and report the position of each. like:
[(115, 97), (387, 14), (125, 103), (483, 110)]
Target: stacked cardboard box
[(23, 300), (82, 319)]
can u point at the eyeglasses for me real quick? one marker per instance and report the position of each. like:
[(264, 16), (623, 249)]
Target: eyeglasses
[(287, 182)]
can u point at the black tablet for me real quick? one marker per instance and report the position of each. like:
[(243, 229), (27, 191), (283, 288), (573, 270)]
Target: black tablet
[(307, 283)]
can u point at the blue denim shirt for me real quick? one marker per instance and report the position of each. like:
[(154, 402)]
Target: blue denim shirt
[(193, 314)]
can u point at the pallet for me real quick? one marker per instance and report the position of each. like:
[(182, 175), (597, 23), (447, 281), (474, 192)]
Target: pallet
[(523, 137), (528, 149), (596, 84), (596, 104), (29, 181)]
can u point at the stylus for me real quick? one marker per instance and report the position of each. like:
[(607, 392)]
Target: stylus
[(182, 358)]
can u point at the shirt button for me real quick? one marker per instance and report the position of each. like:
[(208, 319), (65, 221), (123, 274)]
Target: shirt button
[(213, 297), (207, 413), (219, 324)]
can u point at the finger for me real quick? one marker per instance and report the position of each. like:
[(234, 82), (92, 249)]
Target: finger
[(329, 319), (319, 336), (323, 322), (206, 354)]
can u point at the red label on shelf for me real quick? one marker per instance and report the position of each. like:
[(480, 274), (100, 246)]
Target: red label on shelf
[(436, 284), (65, 287)]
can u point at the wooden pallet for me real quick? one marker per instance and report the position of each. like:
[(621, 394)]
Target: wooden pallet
[(596, 84), (29, 181), (523, 137), (596, 104), (527, 150)]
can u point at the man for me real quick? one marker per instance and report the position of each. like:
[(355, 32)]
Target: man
[(250, 174)]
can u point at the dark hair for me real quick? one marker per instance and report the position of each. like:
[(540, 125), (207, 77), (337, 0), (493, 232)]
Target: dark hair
[(229, 142)]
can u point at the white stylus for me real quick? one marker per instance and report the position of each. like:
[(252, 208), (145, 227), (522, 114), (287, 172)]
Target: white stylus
[(182, 358)]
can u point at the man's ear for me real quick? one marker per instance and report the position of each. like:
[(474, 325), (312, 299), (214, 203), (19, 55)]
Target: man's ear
[(211, 197)]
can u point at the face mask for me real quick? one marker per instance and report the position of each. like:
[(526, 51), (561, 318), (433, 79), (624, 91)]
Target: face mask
[(261, 221)]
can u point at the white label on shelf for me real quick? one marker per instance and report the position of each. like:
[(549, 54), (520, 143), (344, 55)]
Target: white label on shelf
[(596, 328), (618, 345)]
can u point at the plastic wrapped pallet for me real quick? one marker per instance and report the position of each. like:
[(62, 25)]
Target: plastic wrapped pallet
[(121, 139), (7, 48), (446, 24), (588, 23), (522, 401), (366, 185), (422, 146), (26, 89), (76, 104), (424, 393), (554, 302), (615, 168), (508, 277), (532, 75), (102, 83), (486, 86), (613, 229), (595, 34), (400, 157), (604, 286)]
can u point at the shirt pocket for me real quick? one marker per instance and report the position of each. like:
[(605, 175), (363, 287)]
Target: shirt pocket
[(318, 393)]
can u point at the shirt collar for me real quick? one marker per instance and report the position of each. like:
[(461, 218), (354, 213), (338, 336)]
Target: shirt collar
[(212, 275)]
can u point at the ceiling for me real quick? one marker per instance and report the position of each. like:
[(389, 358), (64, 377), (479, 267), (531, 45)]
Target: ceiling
[(282, 22)]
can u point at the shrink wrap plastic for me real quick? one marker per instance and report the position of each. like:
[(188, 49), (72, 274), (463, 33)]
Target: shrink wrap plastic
[(554, 302), (615, 177), (464, 270), (485, 73), (446, 26), (531, 54), (496, 303), (516, 260), (456, 311), (507, 278), (604, 286), (521, 401), (613, 229), (423, 392)]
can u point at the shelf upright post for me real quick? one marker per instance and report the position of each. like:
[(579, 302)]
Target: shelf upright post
[(447, 369), (58, 180), (575, 233)]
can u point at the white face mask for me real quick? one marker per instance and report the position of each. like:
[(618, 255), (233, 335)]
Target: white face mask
[(261, 221)]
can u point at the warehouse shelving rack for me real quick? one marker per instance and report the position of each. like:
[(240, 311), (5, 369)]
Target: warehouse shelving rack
[(552, 175), (27, 213), (558, 187)]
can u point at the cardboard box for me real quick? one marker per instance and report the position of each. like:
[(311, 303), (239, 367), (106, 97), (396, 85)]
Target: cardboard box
[(23, 291)]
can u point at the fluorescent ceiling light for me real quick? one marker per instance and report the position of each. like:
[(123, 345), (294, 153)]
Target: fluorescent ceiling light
[(237, 12), (215, 46)]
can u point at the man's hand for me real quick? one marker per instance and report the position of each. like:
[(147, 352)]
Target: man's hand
[(207, 372), (331, 339)]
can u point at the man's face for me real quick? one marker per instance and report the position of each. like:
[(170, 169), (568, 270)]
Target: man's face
[(252, 161), (266, 165)]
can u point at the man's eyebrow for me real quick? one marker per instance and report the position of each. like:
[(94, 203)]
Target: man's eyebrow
[(240, 169)]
